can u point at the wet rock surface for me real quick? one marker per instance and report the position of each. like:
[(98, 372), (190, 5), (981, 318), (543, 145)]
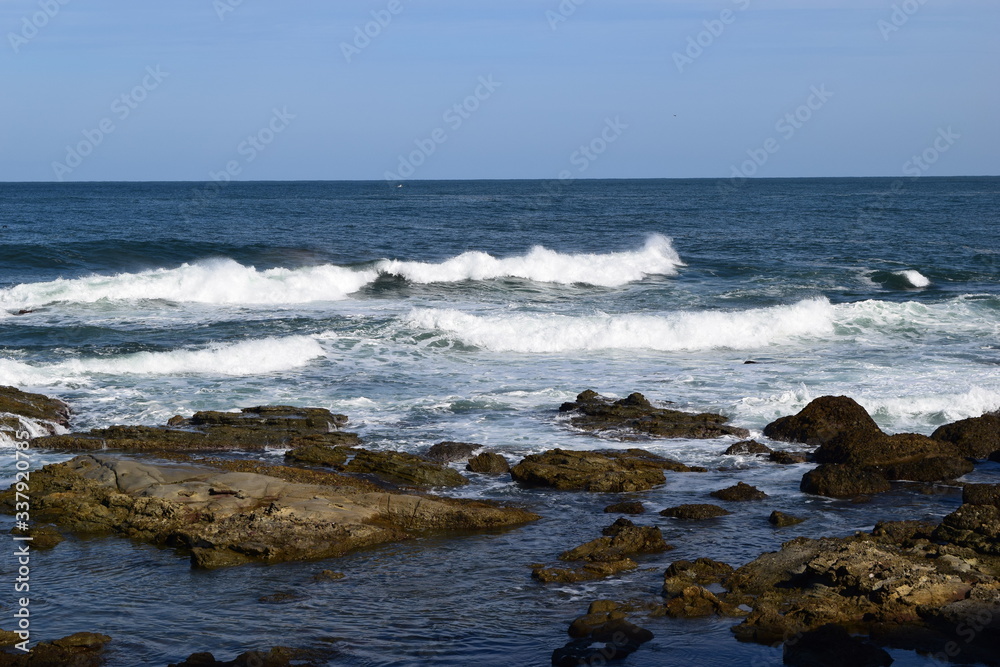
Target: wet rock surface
[(488, 463), (83, 649), (741, 492), (279, 656), (601, 471), (626, 507), (978, 437), (746, 448), (403, 468), (230, 518), (782, 520), (695, 511), (33, 406), (602, 635), (683, 574), (635, 417), (843, 481), (251, 429), (451, 452), (606, 555)]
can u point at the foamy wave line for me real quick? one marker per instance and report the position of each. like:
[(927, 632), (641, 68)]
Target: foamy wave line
[(225, 281), (658, 257), (752, 329), (246, 358), (698, 330)]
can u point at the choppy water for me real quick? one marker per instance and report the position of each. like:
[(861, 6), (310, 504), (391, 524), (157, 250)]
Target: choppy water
[(470, 311)]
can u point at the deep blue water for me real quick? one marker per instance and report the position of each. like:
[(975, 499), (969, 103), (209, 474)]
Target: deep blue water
[(470, 311)]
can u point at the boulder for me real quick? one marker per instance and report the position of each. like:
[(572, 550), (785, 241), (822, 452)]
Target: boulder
[(695, 511), (251, 429), (832, 646), (978, 437), (823, 420), (601, 471), (782, 520), (488, 463), (788, 458), (684, 573), (742, 492), (843, 481), (973, 526), (403, 468), (635, 417), (626, 507), (929, 469), (746, 448), (33, 406), (42, 536), (620, 541), (981, 494), (230, 518), (450, 452), (587, 572)]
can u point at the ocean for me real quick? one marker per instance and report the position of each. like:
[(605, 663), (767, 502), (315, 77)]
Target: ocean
[(469, 311)]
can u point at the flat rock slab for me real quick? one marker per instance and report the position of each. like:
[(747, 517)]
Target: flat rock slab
[(635, 417), (229, 518), (251, 429), (600, 471)]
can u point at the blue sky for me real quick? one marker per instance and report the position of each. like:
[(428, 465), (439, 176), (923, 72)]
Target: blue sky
[(265, 89)]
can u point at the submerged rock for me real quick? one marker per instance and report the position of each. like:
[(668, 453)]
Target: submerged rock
[(832, 646), (42, 536), (626, 507), (685, 573), (229, 518), (279, 656), (488, 463), (83, 649), (695, 511), (697, 602), (782, 520), (747, 447), (602, 471), (251, 429), (606, 555), (450, 452), (634, 417), (742, 492), (602, 635)]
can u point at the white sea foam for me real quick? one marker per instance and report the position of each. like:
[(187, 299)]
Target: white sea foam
[(540, 264), (246, 358), (697, 330), (915, 278), (225, 281)]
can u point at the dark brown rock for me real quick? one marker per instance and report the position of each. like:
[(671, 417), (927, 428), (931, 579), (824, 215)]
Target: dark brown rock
[(788, 458), (635, 416), (696, 602), (823, 420), (626, 507), (684, 573), (977, 437), (83, 649), (782, 520), (694, 512), (747, 447), (33, 406), (620, 541), (488, 463), (450, 452), (981, 494), (42, 536), (279, 656), (742, 492), (590, 571), (602, 471), (929, 469), (832, 646), (319, 455), (974, 526), (403, 468), (843, 481)]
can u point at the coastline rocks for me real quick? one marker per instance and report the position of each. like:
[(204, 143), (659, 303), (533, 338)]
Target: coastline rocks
[(978, 437), (488, 463), (626, 507), (318, 454), (251, 429), (601, 471), (450, 452), (42, 536), (606, 555), (403, 468), (747, 447), (684, 573), (48, 411), (823, 420), (279, 656), (974, 526), (832, 646), (600, 636), (981, 494), (843, 481), (695, 511), (230, 518), (697, 602), (782, 520), (893, 582), (83, 649), (635, 417), (742, 492)]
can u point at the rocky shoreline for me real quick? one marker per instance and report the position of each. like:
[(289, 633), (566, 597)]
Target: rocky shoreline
[(933, 588)]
